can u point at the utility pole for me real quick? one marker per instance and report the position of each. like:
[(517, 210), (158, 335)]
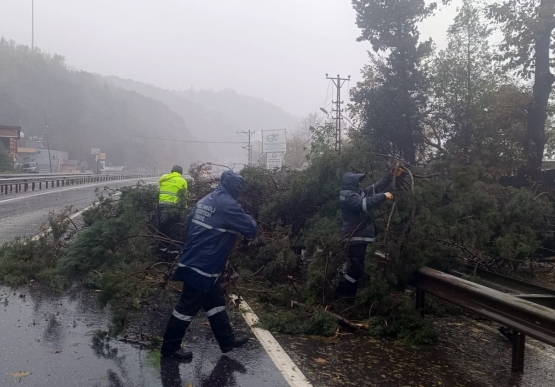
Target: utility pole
[(32, 24), (249, 147), (338, 82), (47, 142)]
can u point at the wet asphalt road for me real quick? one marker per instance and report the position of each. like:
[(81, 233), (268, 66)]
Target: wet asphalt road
[(52, 340), (55, 340), (25, 214)]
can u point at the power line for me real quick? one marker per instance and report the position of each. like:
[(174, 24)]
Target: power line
[(170, 139), (33, 26), (324, 103), (327, 93)]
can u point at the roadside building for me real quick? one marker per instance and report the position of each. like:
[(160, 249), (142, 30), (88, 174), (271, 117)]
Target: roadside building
[(71, 166), (34, 149), (9, 136)]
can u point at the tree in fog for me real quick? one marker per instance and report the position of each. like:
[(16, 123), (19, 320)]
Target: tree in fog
[(463, 74), (528, 27), (391, 100), (83, 112), (5, 159), (298, 142), (475, 109)]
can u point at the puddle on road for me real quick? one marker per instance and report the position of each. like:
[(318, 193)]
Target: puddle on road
[(469, 354), (48, 340)]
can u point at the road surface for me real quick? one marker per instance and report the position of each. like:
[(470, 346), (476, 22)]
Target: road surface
[(49, 339), (26, 214), (54, 340)]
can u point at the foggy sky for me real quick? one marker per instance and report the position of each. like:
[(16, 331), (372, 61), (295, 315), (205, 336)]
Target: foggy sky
[(276, 50)]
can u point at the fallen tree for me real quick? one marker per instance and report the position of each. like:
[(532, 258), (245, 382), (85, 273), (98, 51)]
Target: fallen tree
[(442, 217)]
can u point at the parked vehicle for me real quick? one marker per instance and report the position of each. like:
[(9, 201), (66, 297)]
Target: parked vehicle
[(30, 167)]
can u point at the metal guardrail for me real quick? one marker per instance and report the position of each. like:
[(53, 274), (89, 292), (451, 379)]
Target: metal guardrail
[(29, 175), (523, 316), (526, 308), (33, 182), (521, 289)]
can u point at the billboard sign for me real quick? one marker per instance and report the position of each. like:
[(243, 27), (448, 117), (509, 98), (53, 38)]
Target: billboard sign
[(274, 141), (274, 160), (95, 151)]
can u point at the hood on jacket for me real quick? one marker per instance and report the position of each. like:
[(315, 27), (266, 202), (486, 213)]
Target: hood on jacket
[(232, 182), (168, 176), (351, 181)]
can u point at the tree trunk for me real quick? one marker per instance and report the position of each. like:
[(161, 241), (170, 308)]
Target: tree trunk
[(543, 84), (467, 135), (409, 140)]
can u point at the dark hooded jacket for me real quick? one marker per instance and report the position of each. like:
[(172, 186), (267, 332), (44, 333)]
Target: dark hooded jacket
[(212, 228), (355, 202)]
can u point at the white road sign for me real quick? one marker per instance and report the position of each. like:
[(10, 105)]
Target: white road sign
[(95, 151), (274, 160), (274, 141)]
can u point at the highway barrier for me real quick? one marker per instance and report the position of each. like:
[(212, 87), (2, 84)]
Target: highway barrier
[(514, 311), (23, 183), (525, 308)]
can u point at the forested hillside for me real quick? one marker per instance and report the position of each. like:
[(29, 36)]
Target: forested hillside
[(217, 115), (83, 112)]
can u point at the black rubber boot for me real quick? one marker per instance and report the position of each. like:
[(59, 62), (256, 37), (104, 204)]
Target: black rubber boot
[(346, 289), (179, 354), (237, 342)]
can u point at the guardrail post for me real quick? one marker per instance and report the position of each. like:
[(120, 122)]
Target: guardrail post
[(519, 343), (33, 186), (420, 301)]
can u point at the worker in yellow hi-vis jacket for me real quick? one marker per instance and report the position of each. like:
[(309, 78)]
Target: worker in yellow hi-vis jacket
[(168, 216)]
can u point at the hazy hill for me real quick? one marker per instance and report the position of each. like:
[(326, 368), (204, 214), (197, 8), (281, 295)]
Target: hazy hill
[(216, 116), (83, 111)]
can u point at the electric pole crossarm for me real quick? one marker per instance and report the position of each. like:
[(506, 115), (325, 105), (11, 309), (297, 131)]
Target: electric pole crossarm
[(338, 83), (249, 133)]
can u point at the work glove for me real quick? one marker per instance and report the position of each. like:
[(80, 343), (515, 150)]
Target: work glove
[(388, 196)]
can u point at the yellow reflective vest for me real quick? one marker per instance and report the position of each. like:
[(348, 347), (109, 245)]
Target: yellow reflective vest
[(170, 185)]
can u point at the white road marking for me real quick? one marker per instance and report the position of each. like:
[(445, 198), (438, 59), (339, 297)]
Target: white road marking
[(47, 231), (281, 359), (79, 213), (106, 183), (73, 216)]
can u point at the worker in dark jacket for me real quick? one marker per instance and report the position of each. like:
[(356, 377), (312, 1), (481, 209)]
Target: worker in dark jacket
[(212, 228), (358, 229)]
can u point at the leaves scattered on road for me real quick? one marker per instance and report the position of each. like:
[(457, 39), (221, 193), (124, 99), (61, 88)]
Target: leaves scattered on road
[(20, 374)]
